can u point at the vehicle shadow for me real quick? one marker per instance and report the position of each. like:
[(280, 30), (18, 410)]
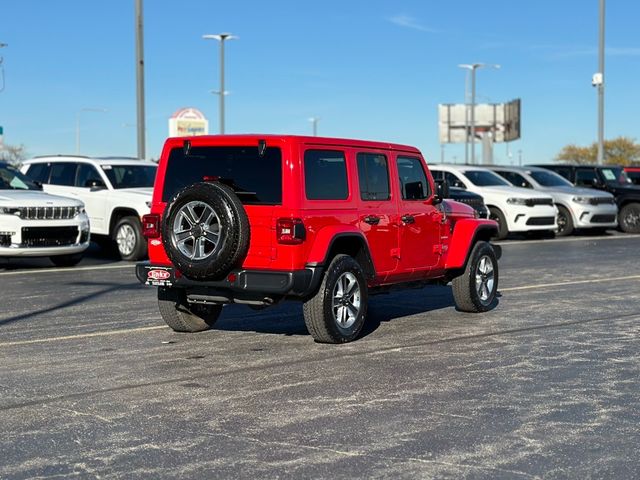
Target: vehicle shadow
[(94, 255), (287, 318), (110, 287)]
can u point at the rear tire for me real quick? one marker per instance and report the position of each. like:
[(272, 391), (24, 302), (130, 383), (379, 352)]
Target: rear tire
[(130, 243), (182, 317), (66, 260), (565, 222), (629, 218), (337, 312), (475, 290), (497, 215)]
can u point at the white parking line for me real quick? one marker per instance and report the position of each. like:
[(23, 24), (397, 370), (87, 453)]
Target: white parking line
[(574, 282), (82, 335), (567, 239), (68, 270)]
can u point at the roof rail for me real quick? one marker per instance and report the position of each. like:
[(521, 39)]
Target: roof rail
[(118, 158), (61, 155)]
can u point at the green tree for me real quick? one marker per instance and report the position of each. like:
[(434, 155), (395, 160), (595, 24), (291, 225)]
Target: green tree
[(619, 151)]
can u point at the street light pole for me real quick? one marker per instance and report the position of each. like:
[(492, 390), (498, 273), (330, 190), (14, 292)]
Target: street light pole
[(601, 86), (314, 123), (221, 37), (140, 80), (473, 67), (2, 45), (78, 124)]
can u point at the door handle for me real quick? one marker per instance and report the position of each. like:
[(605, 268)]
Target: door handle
[(408, 219), (372, 220)]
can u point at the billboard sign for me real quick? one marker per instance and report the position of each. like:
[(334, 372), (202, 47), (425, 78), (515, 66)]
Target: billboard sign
[(502, 120), (188, 122)]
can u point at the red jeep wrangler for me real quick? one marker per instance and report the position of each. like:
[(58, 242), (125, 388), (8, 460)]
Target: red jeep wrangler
[(256, 219)]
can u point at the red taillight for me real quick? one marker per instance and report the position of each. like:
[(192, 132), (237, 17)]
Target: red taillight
[(290, 231), (151, 225)]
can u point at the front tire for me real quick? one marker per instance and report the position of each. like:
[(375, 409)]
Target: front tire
[(182, 317), (130, 243), (565, 222), (503, 229), (337, 312), (629, 218), (475, 290)]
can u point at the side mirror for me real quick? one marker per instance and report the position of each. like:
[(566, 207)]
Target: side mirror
[(442, 191), (95, 185)]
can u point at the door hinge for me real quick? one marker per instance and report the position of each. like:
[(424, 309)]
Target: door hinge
[(395, 253)]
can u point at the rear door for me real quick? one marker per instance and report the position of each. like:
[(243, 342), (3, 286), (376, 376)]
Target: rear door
[(419, 220), (378, 210)]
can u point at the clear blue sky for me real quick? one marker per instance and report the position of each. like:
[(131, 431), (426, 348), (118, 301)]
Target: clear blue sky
[(369, 69)]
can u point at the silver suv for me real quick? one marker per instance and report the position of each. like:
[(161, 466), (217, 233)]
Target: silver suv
[(583, 208), (116, 192)]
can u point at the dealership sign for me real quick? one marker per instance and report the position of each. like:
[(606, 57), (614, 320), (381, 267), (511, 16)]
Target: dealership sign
[(188, 122)]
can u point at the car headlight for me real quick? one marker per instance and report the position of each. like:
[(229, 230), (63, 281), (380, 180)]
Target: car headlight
[(581, 200), (517, 201)]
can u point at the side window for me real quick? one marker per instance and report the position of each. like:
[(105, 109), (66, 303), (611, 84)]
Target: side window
[(325, 175), (453, 180), (39, 172), (586, 177), (516, 179), (63, 174), (413, 181), (565, 172), (373, 175), (85, 173)]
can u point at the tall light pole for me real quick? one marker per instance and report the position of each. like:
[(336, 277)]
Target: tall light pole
[(600, 85), (473, 67), (221, 37), (103, 110), (2, 45), (140, 80), (314, 123)]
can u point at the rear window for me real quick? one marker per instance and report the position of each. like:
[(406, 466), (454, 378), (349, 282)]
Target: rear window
[(256, 180)]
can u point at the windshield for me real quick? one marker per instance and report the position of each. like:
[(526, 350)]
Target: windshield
[(483, 178), (130, 176), (549, 179), (616, 175), (12, 179)]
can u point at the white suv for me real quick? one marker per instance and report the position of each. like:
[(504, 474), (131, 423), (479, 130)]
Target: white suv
[(515, 209), (36, 224), (577, 207), (116, 193)]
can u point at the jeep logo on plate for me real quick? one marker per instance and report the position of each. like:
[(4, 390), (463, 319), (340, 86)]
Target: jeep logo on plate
[(158, 275)]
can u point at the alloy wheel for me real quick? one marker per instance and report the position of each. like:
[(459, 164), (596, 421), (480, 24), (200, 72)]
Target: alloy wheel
[(346, 300), (196, 230), (484, 279)]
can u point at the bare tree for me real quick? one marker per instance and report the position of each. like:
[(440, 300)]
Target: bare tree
[(13, 154)]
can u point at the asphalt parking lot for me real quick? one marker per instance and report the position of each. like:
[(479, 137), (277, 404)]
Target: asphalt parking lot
[(93, 385)]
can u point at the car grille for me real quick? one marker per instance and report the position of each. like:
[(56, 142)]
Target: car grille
[(532, 202), (49, 236), (602, 201), (47, 213), (541, 221), (603, 219)]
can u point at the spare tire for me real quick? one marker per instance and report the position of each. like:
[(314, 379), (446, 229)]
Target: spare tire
[(205, 231)]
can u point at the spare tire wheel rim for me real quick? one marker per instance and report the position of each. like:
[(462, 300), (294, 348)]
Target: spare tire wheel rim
[(196, 230), (484, 279)]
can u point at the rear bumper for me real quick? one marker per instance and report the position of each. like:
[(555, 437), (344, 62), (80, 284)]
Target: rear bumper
[(240, 283)]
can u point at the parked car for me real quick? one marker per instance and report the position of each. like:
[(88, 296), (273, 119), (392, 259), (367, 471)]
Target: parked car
[(515, 209), (634, 174), (610, 179), (258, 219), (582, 208), (472, 199), (36, 224), (116, 192)]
